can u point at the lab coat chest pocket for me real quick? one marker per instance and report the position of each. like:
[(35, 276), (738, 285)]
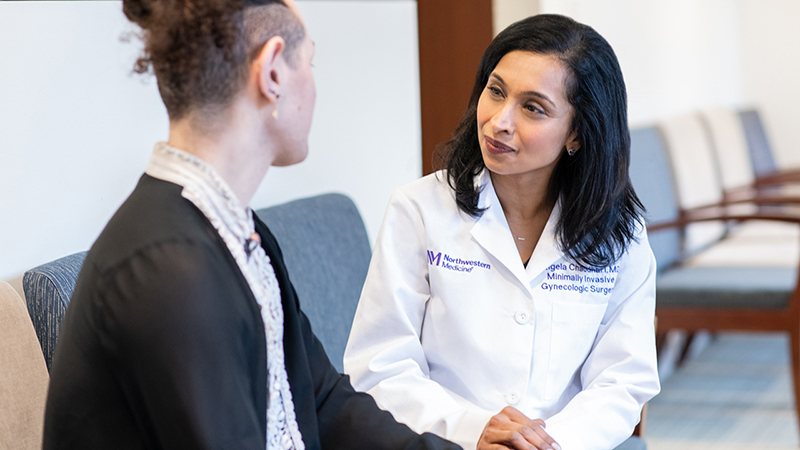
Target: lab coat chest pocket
[(572, 333)]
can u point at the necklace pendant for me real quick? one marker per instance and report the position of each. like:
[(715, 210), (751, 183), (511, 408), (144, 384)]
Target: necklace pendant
[(520, 238)]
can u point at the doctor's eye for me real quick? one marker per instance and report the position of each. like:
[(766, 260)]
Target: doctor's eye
[(495, 91), (534, 109)]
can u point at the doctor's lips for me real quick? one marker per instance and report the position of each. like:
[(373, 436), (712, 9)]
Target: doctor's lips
[(497, 147)]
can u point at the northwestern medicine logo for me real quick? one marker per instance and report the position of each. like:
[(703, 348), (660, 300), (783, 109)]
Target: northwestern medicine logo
[(457, 264)]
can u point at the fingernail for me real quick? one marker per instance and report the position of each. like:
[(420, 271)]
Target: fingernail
[(556, 446)]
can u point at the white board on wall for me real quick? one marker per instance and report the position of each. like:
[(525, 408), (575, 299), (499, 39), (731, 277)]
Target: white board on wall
[(76, 127)]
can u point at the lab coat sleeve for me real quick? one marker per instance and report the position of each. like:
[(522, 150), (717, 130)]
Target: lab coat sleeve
[(384, 354), (620, 374)]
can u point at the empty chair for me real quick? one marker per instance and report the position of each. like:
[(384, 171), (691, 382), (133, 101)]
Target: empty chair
[(765, 168), (23, 376), (764, 243), (732, 149), (710, 297), (696, 179), (701, 175)]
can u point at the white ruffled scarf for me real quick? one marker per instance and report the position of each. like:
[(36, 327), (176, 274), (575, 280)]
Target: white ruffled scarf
[(214, 198)]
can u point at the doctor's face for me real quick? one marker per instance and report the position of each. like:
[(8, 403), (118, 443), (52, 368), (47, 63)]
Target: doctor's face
[(524, 116)]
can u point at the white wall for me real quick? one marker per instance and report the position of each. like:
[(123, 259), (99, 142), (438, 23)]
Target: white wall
[(771, 52), (676, 56), (680, 56), (76, 128), (506, 12)]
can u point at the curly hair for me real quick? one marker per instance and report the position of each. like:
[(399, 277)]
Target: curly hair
[(199, 49), (600, 210)]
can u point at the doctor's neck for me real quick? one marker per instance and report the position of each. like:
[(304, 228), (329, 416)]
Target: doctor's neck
[(523, 196)]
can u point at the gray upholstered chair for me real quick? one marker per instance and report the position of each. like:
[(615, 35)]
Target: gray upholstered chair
[(764, 167), (48, 289), (23, 376), (327, 253), (709, 297), (325, 246), (758, 144), (732, 150)]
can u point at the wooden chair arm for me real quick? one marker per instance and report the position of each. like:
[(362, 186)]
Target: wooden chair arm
[(759, 197), (724, 213), (783, 177)]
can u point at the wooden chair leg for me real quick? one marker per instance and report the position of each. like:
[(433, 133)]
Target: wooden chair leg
[(795, 349), (640, 427), (686, 344), (661, 338)]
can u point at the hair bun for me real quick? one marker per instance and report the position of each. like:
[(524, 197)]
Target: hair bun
[(138, 11)]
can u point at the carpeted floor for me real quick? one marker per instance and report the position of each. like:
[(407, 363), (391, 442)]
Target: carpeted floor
[(734, 395)]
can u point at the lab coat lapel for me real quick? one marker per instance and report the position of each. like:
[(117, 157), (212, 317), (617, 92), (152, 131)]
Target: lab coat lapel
[(492, 232)]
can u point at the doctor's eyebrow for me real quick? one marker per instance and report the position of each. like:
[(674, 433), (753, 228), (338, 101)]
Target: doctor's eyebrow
[(530, 93)]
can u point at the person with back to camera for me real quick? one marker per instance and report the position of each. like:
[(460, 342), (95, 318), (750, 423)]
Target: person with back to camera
[(183, 332), (510, 298)]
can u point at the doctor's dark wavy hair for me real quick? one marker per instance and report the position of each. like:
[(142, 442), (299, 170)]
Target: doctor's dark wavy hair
[(199, 49), (600, 211)]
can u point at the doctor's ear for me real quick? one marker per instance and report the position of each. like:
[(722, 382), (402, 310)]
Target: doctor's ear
[(270, 67), (572, 145)]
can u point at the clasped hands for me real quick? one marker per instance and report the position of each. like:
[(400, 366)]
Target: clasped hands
[(510, 429)]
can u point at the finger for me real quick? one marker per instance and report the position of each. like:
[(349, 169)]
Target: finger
[(538, 422), (542, 438), (487, 446), (538, 438), (517, 440), (501, 431), (515, 415)]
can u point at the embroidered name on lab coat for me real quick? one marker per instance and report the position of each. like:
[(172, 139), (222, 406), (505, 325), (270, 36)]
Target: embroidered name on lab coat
[(570, 277), (457, 264)]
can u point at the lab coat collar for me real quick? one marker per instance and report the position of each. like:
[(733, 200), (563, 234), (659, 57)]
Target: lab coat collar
[(546, 251), (492, 232)]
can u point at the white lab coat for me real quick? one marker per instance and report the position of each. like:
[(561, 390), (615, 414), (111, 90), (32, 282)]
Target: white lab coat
[(451, 327)]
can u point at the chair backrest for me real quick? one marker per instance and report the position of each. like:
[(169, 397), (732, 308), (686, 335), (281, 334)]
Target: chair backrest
[(23, 376), (325, 246), (652, 179), (48, 289), (696, 175), (757, 142), (327, 253), (730, 147)]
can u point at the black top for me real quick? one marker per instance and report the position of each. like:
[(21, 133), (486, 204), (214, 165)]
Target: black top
[(163, 346)]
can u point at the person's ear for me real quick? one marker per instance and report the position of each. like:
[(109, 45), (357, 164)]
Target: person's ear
[(271, 69), (572, 142)]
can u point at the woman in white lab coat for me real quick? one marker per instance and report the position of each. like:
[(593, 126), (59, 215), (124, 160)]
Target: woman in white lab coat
[(510, 298)]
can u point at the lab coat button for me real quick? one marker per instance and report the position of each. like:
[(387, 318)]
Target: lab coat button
[(512, 397), (521, 317)]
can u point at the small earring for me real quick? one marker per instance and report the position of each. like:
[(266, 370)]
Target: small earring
[(571, 152), (277, 97)]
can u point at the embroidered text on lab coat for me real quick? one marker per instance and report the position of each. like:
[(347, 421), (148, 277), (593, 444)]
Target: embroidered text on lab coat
[(570, 277)]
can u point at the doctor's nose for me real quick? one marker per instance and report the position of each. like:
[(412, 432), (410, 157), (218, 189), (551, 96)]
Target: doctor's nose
[(503, 120)]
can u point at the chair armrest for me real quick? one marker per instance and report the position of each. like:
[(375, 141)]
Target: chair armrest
[(726, 213), (783, 177)]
